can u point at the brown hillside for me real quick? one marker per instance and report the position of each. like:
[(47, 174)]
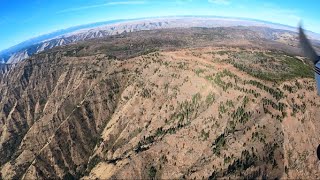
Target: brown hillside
[(128, 107)]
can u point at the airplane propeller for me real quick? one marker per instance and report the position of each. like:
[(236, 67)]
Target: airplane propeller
[(310, 53)]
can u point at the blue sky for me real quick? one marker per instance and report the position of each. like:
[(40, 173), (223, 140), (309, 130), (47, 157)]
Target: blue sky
[(23, 19)]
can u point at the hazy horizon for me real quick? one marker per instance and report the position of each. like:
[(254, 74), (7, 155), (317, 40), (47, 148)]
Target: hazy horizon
[(21, 20), (76, 28)]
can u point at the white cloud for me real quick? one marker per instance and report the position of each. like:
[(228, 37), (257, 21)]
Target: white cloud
[(114, 3), (221, 2)]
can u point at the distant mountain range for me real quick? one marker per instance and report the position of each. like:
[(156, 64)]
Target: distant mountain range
[(107, 28)]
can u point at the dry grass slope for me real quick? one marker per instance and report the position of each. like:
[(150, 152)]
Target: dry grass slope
[(88, 111)]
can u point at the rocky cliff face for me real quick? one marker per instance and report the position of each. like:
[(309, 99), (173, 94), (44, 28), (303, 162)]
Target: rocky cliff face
[(120, 108)]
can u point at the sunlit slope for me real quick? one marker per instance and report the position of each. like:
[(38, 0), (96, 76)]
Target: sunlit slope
[(159, 108)]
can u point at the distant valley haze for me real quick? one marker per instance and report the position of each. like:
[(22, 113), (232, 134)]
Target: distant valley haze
[(21, 20), (103, 29)]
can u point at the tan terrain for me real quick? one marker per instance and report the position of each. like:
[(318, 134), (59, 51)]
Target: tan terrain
[(121, 110)]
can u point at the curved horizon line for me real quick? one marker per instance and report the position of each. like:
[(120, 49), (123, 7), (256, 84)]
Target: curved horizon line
[(114, 21)]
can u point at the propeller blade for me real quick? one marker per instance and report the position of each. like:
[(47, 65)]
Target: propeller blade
[(307, 48), (317, 76)]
